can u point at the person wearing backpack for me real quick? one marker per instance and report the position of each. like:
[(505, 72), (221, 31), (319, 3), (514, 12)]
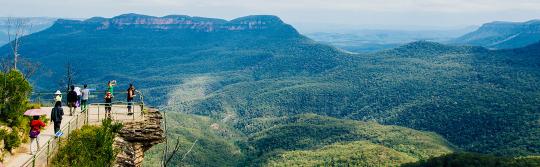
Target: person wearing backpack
[(35, 129), (72, 100), (56, 116)]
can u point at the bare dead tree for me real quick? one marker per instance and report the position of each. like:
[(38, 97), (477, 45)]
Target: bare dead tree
[(28, 68), (175, 151), (69, 76), (176, 148), (16, 29)]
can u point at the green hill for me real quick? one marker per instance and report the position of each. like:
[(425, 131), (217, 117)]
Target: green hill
[(359, 153), (216, 142), (310, 131), (320, 138), (481, 100)]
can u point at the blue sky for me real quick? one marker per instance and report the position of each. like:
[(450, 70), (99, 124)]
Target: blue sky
[(305, 14)]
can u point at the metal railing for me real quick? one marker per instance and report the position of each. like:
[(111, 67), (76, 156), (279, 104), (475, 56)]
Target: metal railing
[(43, 156)]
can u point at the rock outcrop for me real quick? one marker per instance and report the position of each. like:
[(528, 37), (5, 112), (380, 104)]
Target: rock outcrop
[(136, 137), (175, 22)]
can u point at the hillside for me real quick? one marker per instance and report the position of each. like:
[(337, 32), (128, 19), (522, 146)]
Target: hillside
[(301, 139), (422, 85), (503, 35), (252, 72), (121, 47)]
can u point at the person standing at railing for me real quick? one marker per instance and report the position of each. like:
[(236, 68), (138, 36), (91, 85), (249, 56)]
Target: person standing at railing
[(56, 116), (108, 103), (110, 87), (79, 94), (57, 96), (35, 129), (84, 101), (72, 100), (130, 95)]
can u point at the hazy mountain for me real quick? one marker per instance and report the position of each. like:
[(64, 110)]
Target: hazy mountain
[(261, 80), (363, 41), (35, 24), (502, 35)]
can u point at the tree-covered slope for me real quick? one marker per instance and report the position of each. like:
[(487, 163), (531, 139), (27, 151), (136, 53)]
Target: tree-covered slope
[(481, 100), (304, 132), (319, 138), (360, 153), (216, 142), (152, 51)]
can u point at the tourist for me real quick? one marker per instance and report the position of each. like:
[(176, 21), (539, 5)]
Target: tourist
[(130, 95), (35, 129), (84, 101), (110, 87), (57, 96), (56, 116), (108, 101), (72, 100), (79, 94)]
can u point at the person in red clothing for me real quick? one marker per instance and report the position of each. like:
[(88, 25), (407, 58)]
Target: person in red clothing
[(35, 129)]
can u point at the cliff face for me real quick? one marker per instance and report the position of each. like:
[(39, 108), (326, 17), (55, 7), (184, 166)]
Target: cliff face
[(175, 22), (137, 137)]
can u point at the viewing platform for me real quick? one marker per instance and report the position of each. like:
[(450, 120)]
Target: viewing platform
[(49, 143)]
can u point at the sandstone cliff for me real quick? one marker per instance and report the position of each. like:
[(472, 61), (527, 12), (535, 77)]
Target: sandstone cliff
[(137, 137)]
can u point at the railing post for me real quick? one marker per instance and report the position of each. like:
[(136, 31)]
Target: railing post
[(86, 113), (69, 127), (48, 150), (34, 159), (132, 110), (112, 112)]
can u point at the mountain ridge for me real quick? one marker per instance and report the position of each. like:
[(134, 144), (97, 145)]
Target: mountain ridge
[(502, 35), (246, 23)]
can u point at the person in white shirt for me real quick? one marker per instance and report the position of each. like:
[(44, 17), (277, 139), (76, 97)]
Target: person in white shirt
[(78, 91), (84, 99)]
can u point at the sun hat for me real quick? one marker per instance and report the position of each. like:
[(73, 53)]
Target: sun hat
[(57, 92)]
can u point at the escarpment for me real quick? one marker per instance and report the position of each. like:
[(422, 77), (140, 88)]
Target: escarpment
[(136, 137)]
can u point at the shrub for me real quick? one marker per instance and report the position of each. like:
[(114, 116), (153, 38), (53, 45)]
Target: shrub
[(14, 99), (89, 146), (13, 103), (12, 140)]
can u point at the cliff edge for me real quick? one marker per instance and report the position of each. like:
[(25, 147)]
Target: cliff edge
[(136, 137)]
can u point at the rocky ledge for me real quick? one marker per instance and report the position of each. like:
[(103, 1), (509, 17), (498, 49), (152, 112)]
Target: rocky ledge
[(136, 137)]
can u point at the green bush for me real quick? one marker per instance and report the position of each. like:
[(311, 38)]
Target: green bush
[(14, 98), (12, 140), (13, 103), (89, 146)]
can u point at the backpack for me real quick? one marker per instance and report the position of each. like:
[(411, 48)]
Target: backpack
[(72, 96), (34, 133)]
